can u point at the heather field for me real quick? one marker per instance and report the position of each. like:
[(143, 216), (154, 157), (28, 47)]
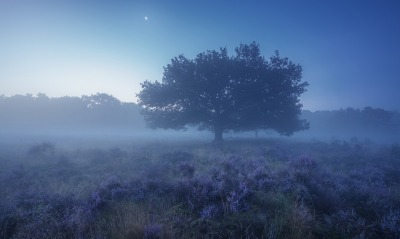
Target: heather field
[(270, 188)]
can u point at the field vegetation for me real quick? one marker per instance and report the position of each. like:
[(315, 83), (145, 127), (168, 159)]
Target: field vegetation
[(270, 188)]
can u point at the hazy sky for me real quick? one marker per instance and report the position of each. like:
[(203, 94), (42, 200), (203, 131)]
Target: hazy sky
[(349, 49)]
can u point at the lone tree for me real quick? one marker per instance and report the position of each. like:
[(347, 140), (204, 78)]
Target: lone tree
[(218, 92)]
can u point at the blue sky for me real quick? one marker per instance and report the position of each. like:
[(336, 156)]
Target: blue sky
[(349, 50)]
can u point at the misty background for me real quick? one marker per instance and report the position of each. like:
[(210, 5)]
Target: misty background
[(104, 116), (70, 50)]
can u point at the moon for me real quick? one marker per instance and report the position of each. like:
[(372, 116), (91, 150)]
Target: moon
[(146, 18)]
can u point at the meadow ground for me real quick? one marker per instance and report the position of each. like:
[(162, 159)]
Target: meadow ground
[(269, 188)]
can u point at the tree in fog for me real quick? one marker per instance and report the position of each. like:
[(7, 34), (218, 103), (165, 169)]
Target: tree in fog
[(218, 92)]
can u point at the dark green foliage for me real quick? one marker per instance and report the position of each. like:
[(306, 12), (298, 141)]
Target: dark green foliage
[(218, 92)]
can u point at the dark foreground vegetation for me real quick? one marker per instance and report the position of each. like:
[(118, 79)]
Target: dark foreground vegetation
[(240, 189)]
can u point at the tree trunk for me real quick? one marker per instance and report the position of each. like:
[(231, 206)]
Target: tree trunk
[(218, 135)]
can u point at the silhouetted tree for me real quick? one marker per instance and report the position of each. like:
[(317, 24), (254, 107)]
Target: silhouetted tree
[(218, 92)]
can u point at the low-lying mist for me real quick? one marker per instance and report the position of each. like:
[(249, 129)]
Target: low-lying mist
[(102, 117)]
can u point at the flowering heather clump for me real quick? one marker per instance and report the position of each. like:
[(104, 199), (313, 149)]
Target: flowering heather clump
[(379, 198), (261, 178), (302, 169), (201, 192), (78, 218), (211, 211), (39, 215), (346, 223), (186, 169), (233, 164), (157, 187), (236, 200), (152, 231), (259, 173), (301, 220), (95, 200), (113, 188), (221, 180), (368, 173), (326, 192), (303, 162), (286, 181), (390, 224), (136, 190)]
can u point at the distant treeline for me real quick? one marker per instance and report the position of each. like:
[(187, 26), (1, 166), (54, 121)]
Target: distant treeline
[(102, 113), (369, 123)]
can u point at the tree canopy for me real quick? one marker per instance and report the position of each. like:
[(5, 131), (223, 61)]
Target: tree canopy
[(218, 92)]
